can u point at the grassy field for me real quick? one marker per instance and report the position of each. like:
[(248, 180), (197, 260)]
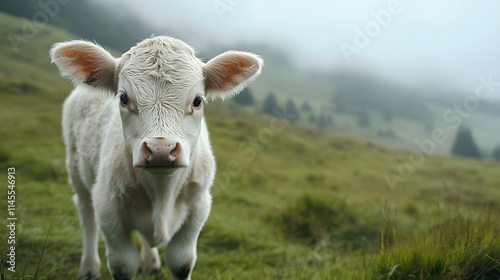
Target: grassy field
[(304, 205)]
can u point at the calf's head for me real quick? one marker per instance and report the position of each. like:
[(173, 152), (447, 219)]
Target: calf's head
[(160, 88)]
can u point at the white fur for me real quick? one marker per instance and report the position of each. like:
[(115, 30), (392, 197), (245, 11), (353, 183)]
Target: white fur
[(103, 139)]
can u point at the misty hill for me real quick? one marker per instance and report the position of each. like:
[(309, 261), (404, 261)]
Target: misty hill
[(86, 19), (447, 97), (118, 30), (357, 92), (404, 112)]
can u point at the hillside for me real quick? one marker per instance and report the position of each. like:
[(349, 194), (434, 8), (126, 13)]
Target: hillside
[(304, 204), (395, 115)]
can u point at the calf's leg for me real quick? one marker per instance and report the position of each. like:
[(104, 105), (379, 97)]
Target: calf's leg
[(150, 257), (90, 264), (181, 250), (122, 255)]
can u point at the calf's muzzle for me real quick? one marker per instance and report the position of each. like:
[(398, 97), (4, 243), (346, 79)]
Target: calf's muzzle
[(160, 152)]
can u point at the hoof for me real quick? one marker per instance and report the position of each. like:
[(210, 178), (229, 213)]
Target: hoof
[(89, 276)]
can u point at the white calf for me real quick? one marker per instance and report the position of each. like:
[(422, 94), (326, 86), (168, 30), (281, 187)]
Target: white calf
[(138, 153)]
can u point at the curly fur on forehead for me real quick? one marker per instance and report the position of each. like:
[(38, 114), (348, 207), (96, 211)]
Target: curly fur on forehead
[(161, 67)]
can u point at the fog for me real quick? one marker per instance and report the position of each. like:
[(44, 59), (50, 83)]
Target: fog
[(433, 42), (411, 67)]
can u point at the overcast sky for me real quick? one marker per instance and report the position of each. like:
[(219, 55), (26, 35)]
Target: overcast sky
[(445, 41)]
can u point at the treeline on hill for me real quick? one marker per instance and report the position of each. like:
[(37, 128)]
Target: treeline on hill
[(447, 97), (289, 109), (464, 144), (355, 94)]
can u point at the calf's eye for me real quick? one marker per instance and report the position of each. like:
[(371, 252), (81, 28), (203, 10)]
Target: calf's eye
[(124, 99), (197, 101)]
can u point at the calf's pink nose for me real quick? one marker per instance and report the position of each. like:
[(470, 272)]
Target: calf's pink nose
[(160, 151)]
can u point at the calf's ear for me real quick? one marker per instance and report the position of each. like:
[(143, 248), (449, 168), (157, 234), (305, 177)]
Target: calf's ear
[(229, 73), (84, 62)]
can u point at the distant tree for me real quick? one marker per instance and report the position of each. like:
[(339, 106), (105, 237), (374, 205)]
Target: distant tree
[(496, 153), (245, 98), (270, 104), (387, 133), (325, 120), (292, 111), (306, 107), (390, 133), (381, 133), (388, 117), (340, 105), (312, 118), (464, 144), (322, 121), (329, 120), (363, 119)]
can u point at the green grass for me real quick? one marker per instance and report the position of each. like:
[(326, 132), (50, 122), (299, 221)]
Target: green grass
[(305, 205), (455, 246)]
